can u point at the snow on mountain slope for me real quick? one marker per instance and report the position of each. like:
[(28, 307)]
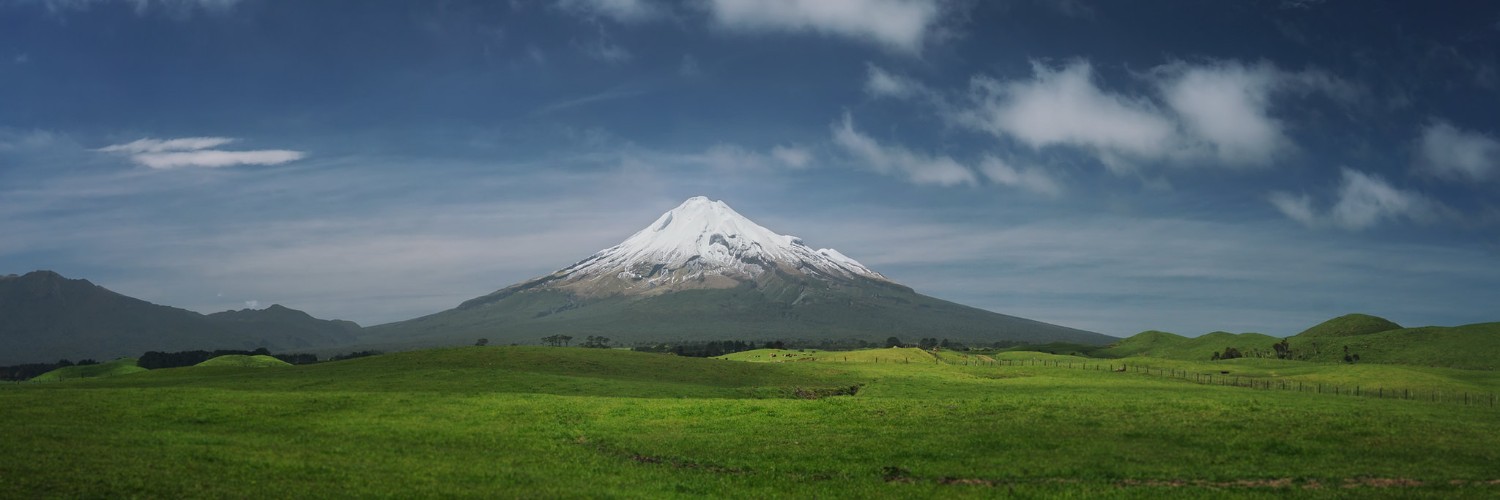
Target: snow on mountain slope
[(703, 244)]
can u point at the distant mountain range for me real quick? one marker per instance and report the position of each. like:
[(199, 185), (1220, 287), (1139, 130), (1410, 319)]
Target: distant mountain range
[(45, 317), (702, 271)]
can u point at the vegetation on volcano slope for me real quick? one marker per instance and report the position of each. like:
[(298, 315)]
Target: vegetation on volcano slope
[(509, 421)]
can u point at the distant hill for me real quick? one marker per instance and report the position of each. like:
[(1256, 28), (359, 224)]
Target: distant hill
[(1372, 338), (45, 317), (1473, 347), (1166, 345), (244, 361), (122, 366), (1348, 325)]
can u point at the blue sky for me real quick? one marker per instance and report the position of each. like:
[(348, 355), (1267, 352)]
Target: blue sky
[(1113, 166)]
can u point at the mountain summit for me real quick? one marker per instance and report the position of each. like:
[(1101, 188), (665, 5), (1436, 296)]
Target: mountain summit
[(703, 244), (702, 271)]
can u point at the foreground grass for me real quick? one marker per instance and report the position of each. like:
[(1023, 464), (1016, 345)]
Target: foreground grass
[(546, 422)]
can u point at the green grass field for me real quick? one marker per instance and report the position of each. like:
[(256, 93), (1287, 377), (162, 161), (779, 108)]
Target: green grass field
[(570, 422)]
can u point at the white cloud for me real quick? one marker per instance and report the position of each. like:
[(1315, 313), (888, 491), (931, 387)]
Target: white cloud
[(210, 158), (900, 25), (1064, 107), (1214, 113), (898, 161), (1448, 151), (882, 83), (1227, 106), (158, 145), (1031, 179), (1364, 200), (730, 158), (1297, 207), (252, 304), (625, 11), (196, 152), (792, 156)]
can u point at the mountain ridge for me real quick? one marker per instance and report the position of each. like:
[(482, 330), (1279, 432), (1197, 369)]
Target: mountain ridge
[(45, 316)]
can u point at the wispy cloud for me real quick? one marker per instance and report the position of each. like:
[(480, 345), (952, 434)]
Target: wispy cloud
[(1029, 178), (175, 7), (898, 25), (882, 83), (1448, 151), (197, 152), (625, 11), (898, 161), (1363, 200), (792, 156), (620, 92)]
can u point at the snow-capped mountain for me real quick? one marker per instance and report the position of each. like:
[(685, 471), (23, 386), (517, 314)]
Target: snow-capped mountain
[(702, 271), (703, 244)]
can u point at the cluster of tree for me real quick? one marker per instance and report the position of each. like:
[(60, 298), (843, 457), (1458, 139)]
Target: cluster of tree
[(707, 349), (1283, 349), (558, 340), (1350, 357), (31, 370), (933, 343), (595, 342), (355, 354), (297, 358), (153, 360), (1229, 353)]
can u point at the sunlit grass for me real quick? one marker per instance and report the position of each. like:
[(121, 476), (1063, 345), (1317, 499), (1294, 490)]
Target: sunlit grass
[(579, 422)]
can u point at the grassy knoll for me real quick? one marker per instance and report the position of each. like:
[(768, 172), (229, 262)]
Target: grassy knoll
[(1172, 346), (1475, 347), (241, 360), (558, 422), (122, 366)]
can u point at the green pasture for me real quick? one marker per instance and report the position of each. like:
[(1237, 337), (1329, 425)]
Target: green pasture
[(569, 422)]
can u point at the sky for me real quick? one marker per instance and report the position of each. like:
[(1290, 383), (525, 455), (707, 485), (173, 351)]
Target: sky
[(1184, 166)]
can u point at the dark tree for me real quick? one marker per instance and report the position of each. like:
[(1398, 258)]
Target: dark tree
[(1231, 353), (1283, 349), (893, 342), (482, 342)]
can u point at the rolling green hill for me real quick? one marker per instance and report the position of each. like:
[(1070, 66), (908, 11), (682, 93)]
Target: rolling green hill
[(1348, 325), (1474, 347), (244, 361), (122, 366), (1166, 345)]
